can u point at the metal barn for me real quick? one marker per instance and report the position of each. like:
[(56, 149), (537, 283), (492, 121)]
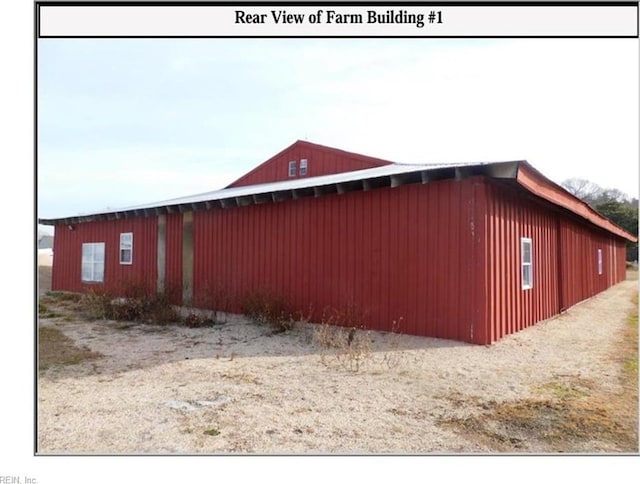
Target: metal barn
[(470, 252)]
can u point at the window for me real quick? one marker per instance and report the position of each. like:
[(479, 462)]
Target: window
[(292, 168), (126, 248), (303, 167), (93, 262), (527, 263), (599, 261)]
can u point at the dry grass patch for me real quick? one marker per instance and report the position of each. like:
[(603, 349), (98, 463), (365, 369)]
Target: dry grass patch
[(548, 425), (569, 414), (57, 349)]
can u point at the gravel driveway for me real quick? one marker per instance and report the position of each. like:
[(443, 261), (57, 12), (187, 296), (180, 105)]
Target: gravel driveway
[(240, 388)]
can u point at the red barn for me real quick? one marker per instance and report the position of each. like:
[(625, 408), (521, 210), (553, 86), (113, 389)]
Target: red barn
[(470, 252)]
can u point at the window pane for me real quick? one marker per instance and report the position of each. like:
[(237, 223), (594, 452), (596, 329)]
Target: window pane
[(126, 240), (87, 251), (526, 275), (98, 251), (98, 271), (125, 256), (599, 261), (92, 266), (526, 251), (86, 272)]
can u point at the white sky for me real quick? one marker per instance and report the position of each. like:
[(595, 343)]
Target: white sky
[(128, 121)]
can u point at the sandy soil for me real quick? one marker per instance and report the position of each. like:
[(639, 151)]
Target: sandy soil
[(240, 388)]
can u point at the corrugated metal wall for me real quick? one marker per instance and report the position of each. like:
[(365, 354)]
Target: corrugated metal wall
[(389, 253), (509, 218), (321, 160), (173, 283), (579, 261), (68, 254), (565, 261), (442, 258)]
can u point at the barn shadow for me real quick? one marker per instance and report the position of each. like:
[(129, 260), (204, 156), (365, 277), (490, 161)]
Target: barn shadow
[(127, 346)]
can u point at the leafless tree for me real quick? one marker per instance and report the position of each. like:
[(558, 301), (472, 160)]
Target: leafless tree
[(583, 189)]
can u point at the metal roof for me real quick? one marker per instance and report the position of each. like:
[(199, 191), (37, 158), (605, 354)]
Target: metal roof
[(393, 175)]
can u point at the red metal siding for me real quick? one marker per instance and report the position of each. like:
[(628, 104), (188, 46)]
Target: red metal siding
[(321, 160), (173, 254), (579, 261), (389, 253), (444, 258), (564, 261), (68, 255), (511, 308)]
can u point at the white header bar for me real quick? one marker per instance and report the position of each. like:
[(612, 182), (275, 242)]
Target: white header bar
[(343, 21)]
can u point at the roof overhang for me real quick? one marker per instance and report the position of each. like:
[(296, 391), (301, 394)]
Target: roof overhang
[(392, 175), (536, 183)]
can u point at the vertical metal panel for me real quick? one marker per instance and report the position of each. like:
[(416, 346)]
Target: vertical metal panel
[(187, 258), (579, 252), (511, 217), (173, 257), (161, 253), (388, 253), (443, 256), (564, 261), (321, 160), (142, 273)]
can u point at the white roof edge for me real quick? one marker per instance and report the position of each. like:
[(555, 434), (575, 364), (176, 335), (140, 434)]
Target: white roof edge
[(280, 186), (310, 182)]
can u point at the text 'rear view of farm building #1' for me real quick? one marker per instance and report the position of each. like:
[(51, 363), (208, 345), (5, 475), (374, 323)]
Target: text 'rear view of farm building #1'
[(470, 252)]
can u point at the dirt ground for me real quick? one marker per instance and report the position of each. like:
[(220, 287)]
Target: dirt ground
[(239, 387)]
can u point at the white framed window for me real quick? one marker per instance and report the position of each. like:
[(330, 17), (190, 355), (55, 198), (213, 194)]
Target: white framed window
[(599, 261), (93, 262), (303, 167), (527, 262), (292, 168), (126, 248)]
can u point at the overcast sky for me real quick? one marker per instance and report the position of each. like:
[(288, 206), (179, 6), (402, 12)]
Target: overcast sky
[(129, 121)]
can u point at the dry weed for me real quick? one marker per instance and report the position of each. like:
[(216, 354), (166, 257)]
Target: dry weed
[(54, 348)]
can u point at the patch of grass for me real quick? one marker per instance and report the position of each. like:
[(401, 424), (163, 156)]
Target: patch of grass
[(44, 311), (62, 296), (54, 348), (572, 415), (564, 391), (568, 425), (212, 432)]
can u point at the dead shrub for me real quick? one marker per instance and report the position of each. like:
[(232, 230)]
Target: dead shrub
[(135, 306), (216, 297), (343, 339), (267, 307), (196, 320)]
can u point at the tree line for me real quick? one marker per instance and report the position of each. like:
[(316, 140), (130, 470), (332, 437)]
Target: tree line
[(612, 203)]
